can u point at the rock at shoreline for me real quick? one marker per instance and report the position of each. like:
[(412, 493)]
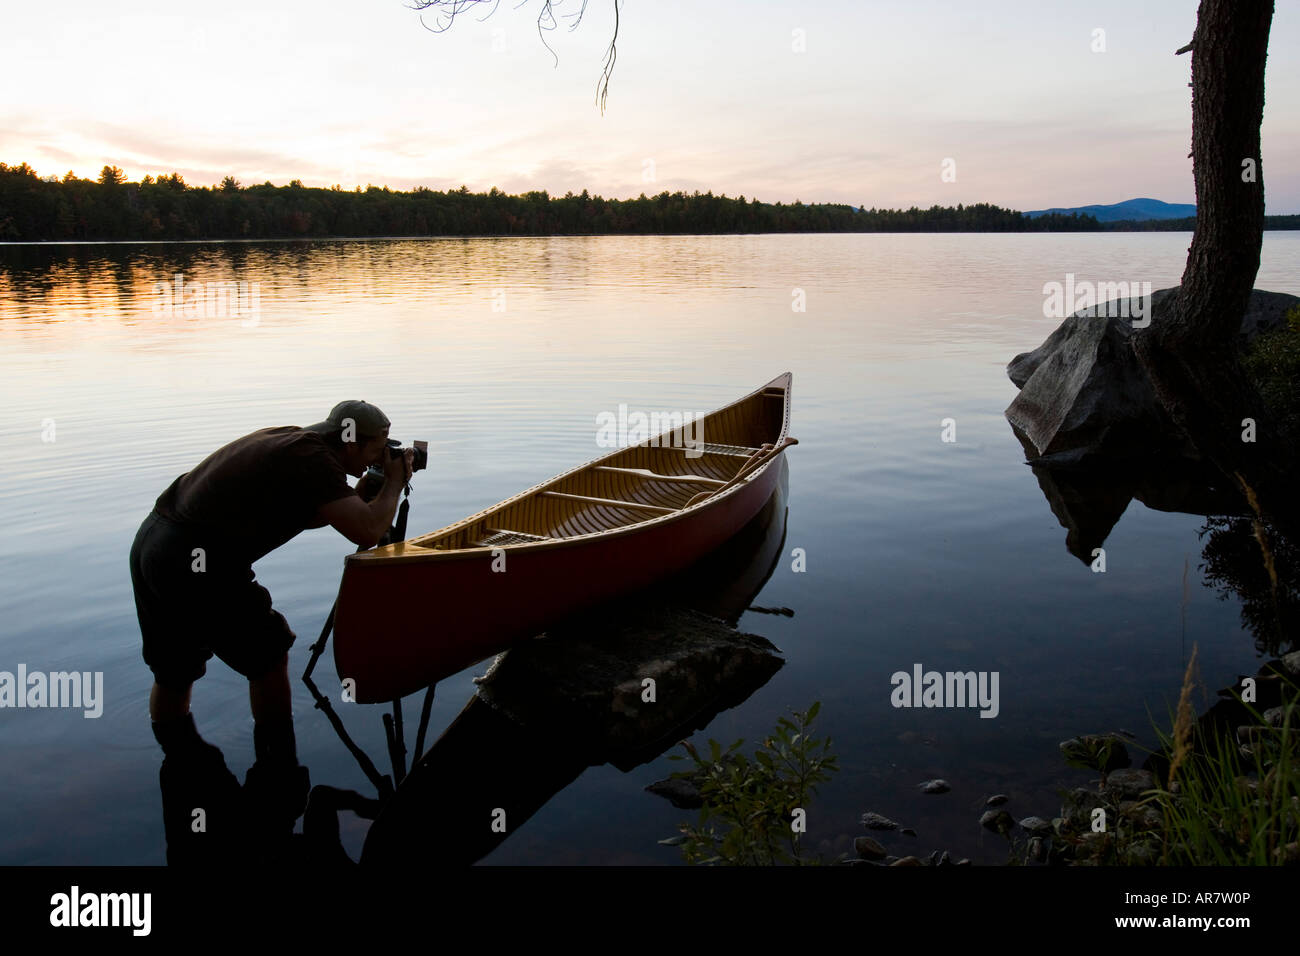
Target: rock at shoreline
[(1083, 392), (1129, 784)]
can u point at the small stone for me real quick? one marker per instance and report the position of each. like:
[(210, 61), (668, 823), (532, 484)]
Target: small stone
[(907, 861), (1291, 664), (1143, 816), (907, 831), (945, 860), (874, 821), (1274, 715), (869, 849), (1129, 783), (934, 858), (997, 820), (1037, 850), (962, 862), (1076, 812), (996, 800), (1036, 825), (935, 786), (1140, 854), (1249, 733)]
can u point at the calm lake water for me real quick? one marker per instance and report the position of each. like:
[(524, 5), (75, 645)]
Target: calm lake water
[(502, 353)]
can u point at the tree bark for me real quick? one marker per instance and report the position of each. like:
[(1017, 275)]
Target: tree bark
[(1191, 355)]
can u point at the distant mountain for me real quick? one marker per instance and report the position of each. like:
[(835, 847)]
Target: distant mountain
[(1138, 209)]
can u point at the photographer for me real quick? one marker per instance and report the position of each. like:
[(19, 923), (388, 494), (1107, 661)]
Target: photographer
[(191, 569)]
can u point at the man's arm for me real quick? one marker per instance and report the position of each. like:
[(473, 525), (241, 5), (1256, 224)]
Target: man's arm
[(365, 523)]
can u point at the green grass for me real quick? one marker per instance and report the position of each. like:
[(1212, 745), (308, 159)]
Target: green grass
[(1223, 809)]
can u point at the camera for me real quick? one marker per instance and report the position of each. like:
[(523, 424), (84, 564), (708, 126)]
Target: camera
[(395, 450), (374, 478)]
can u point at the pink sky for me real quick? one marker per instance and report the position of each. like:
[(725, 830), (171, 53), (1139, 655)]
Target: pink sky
[(856, 102)]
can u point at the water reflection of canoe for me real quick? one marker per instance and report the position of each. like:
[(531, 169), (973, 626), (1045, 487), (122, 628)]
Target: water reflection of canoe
[(609, 527)]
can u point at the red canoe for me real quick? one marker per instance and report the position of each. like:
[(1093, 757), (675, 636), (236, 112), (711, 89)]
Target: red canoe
[(614, 525)]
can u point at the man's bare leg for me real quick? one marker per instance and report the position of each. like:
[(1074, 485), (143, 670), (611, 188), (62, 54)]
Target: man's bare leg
[(270, 699), (269, 696), (276, 782), (173, 725)]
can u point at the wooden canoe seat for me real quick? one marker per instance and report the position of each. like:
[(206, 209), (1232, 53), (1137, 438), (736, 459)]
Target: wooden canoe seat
[(496, 537), (647, 473), (734, 451), (609, 502)]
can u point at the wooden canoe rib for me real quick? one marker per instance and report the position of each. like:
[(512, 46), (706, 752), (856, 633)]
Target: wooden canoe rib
[(601, 530)]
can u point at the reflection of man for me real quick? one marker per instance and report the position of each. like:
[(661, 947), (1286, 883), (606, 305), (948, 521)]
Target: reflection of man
[(191, 564)]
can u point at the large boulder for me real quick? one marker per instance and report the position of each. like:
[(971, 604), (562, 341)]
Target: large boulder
[(1083, 392)]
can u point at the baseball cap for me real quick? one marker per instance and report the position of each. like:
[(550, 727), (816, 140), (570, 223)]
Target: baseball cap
[(367, 419)]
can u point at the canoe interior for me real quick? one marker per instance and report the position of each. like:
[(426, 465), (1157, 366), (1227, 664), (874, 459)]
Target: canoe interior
[(629, 486)]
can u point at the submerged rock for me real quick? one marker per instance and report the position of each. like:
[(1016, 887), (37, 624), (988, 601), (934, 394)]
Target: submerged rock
[(874, 821), (681, 792), (869, 849), (998, 821), (935, 786)]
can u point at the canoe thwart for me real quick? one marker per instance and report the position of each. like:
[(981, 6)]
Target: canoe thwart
[(735, 451), (761, 455), (608, 502), (647, 473)]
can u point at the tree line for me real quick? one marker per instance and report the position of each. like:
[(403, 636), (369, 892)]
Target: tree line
[(167, 208)]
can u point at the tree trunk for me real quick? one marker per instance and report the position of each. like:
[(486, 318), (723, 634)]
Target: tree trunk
[(1191, 355)]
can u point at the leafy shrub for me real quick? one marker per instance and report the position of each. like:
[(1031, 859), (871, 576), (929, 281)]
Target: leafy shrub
[(748, 817), (1273, 364)]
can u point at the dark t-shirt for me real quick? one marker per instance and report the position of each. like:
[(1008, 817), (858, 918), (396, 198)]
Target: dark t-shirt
[(259, 491)]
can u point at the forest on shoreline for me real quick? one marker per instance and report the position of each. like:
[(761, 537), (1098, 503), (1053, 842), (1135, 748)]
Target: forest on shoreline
[(34, 209)]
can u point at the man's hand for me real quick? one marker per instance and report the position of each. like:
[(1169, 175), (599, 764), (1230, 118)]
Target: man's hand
[(399, 469), (365, 523)]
